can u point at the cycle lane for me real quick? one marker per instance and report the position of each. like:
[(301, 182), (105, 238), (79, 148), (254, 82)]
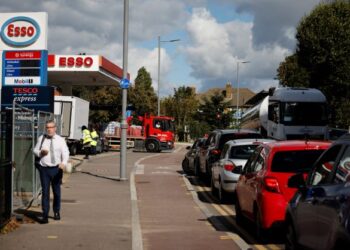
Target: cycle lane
[(169, 217)]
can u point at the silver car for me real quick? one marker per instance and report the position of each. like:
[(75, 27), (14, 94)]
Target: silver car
[(235, 153)]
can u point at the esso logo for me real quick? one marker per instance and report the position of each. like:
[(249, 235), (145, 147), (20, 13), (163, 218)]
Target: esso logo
[(25, 90), (75, 61), (20, 31)]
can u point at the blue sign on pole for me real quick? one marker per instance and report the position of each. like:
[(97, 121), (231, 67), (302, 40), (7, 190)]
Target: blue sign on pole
[(124, 83)]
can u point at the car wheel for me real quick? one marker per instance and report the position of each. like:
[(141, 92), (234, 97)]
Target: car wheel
[(261, 233), (214, 190), (291, 242), (185, 165)]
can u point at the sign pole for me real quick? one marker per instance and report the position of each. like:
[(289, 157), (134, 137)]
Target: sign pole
[(124, 85)]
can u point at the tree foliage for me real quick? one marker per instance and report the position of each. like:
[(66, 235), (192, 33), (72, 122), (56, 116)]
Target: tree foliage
[(182, 106), (142, 95), (215, 112), (105, 102), (322, 57)]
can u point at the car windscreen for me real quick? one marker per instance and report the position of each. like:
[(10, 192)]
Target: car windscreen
[(298, 161), (242, 152), (234, 136)]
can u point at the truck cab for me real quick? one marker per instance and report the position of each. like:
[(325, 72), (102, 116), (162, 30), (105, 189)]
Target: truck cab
[(159, 133)]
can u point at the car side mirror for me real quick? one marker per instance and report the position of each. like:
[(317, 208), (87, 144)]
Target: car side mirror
[(188, 147), (238, 169), (296, 181)]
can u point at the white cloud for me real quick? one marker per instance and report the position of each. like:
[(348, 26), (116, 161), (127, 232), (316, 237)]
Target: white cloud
[(217, 47)]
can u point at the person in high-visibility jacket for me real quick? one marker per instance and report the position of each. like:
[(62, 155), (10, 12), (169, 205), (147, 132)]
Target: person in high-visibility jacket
[(86, 141), (94, 137)]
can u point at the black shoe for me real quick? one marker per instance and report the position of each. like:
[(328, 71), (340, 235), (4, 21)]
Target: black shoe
[(44, 220), (86, 157), (57, 216)]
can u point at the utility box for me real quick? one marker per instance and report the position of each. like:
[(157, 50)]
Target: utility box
[(74, 113)]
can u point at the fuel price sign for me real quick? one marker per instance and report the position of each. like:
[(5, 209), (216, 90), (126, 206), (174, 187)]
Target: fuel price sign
[(24, 68)]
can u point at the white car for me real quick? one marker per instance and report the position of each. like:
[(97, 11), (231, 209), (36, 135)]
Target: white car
[(235, 153)]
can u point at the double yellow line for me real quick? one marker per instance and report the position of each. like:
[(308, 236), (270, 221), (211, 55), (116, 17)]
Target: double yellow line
[(228, 212)]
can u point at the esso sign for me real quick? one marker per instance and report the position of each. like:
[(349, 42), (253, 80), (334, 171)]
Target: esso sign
[(25, 90), (20, 31), (77, 61)]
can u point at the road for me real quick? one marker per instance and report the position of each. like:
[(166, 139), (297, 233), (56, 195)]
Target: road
[(179, 212)]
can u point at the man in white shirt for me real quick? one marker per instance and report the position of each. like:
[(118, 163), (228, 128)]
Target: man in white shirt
[(54, 154)]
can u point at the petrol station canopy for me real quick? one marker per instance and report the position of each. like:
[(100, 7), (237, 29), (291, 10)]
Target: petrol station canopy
[(82, 70)]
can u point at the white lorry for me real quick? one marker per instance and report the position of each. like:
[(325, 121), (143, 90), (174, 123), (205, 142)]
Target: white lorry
[(290, 113), (74, 114)]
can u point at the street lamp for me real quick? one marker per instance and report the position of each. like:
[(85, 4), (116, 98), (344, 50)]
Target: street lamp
[(238, 62), (159, 41)]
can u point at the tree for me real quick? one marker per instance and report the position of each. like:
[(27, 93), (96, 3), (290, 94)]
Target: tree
[(322, 55), (182, 106), (105, 102), (142, 95), (291, 74), (215, 112)]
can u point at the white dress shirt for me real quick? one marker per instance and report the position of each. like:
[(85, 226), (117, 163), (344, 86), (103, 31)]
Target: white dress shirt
[(61, 152)]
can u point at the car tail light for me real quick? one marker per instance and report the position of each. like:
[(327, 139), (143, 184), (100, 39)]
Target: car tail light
[(229, 166), (215, 152), (271, 184)]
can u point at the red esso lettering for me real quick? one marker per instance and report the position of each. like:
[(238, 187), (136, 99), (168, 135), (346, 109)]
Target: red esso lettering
[(88, 61), (75, 62), (25, 90), (20, 31)]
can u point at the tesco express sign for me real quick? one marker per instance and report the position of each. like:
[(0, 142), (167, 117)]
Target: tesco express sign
[(20, 31)]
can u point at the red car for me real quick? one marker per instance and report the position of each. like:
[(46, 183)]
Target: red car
[(262, 191)]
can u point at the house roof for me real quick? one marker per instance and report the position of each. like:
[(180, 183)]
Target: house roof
[(244, 95)]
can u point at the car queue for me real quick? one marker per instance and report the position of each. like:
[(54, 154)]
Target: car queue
[(300, 187)]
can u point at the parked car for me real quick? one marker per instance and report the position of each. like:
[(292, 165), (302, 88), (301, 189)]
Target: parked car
[(262, 191), (188, 163), (318, 216), (235, 153), (211, 150)]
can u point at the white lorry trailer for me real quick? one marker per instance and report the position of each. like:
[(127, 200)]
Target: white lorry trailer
[(74, 114), (290, 113)]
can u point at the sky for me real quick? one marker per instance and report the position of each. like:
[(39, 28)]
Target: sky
[(215, 37)]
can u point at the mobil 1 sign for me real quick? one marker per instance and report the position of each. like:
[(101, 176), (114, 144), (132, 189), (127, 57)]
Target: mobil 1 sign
[(24, 68), (39, 98)]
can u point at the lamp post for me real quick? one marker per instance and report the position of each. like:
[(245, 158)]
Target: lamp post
[(124, 85), (238, 62), (159, 41)]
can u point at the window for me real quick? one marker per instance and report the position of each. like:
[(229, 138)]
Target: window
[(304, 113), (249, 166), (242, 152), (234, 136), (324, 166), (343, 171), (274, 112), (297, 161), (223, 153), (259, 164)]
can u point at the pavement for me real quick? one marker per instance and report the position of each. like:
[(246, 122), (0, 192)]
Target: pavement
[(95, 211), (153, 209)]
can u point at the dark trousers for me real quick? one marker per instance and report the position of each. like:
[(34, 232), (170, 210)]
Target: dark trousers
[(87, 151), (53, 176)]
